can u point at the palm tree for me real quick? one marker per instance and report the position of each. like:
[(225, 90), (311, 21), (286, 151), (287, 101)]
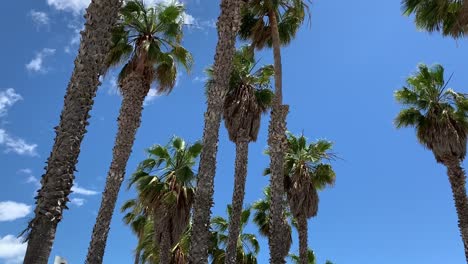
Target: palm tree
[(228, 25), (247, 246), (274, 23), (52, 198), (305, 173), (446, 16), (137, 218), (310, 258), (165, 185), (262, 218), (248, 97), (150, 39), (439, 115)]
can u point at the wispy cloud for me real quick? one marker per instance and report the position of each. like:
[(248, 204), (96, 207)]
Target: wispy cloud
[(11, 143), (30, 177), (74, 6), (12, 249), (10, 211), (39, 18), (36, 64), (200, 79), (151, 96), (77, 201), (83, 191), (16, 145), (7, 99)]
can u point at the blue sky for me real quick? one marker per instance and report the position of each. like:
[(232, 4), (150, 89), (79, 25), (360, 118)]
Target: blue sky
[(391, 204)]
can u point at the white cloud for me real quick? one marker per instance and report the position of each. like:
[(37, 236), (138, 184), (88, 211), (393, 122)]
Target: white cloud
[(36, 64), (75, 6), (151, 96), (25, 171), (10, 211), (200, 79), (77, 201), (12, 249), (8, 98), (83, 191), (17, 145), (39, 18), (30, 177)]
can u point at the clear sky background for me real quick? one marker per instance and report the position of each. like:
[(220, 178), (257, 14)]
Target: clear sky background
[(391, 204)]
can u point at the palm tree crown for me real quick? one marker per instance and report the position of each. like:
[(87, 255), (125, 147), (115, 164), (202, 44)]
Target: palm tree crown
[(247, 245), (165, 184), (148, 40), (438, 113), (249, 94), (305, 169), (437, 15), (256, 26)]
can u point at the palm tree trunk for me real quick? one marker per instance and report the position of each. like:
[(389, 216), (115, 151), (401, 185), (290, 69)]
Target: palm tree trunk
[(165, 244), (302, 226), (134, 87), (457, 180), (228, 25), (58, 179), (240, 177), (276, 142)]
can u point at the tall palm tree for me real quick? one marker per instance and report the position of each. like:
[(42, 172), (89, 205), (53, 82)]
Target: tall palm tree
[(262, 218), (248, 97), (247, 246), (165, 185), (274, 23), (446, 16), (306, 172), (149, 40), (439, 115), (136, 217), (228, 25), (52, 198)]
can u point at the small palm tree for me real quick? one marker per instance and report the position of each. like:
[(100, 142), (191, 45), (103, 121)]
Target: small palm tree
[(165, 185), (305, 173), (247, 246), (274, 23), (248, 97), (445, 16), (137, 218), (310, 258), (148, 40), (439, 115), (262, 218)]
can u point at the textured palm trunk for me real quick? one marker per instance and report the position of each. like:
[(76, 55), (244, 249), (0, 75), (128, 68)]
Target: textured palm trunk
[(134, 88), (57, 181), (276, 142), (302, 226), (228, 25), (457, 180), (240, 177), (165, 245)]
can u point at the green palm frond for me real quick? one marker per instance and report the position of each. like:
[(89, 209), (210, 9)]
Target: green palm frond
[(436, 15), (438, 113), (247, 245), (150, 36), (255, 25)]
